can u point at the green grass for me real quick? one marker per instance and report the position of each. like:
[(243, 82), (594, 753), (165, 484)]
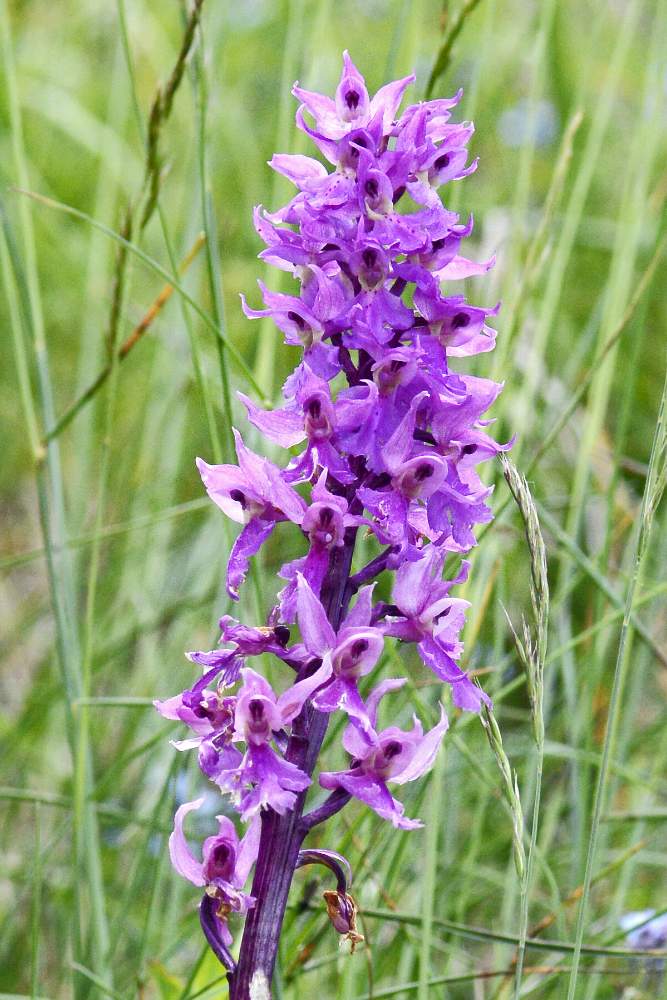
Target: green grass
[(112, 564)]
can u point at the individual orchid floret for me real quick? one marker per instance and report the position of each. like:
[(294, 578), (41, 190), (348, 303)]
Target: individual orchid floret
[(351, 109), (224, 868), (205, 711), (210, 716), (209, 712), (413, 472), (341, 907), (254, 494), (310, 415), (390, 755), (325, 523), (302, 319), (459, 327), (224, 664), (346, 655), (264, 778), (433, 620)]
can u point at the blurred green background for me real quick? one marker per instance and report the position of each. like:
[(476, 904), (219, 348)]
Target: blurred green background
[(113, 563)]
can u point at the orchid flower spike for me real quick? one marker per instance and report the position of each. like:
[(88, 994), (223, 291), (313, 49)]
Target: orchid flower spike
[(378, 432)]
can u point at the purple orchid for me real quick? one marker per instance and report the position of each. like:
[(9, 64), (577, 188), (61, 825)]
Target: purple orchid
[(224, 868), (255, 494), (264, 778), (346, 655), (432, 619), (385, 433), (390, 755), (324, 523)]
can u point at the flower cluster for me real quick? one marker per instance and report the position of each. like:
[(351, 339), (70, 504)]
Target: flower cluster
[(391, 437)]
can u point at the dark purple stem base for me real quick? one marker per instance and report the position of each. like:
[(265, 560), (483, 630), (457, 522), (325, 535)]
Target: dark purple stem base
[(282, 836)]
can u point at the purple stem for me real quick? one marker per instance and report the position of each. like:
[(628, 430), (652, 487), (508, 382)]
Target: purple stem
[(282, 836), (336, 863), (331, 805), (370, 570)]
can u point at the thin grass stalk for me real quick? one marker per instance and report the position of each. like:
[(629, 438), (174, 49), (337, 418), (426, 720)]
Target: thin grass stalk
[(540, 248), (124, 349), (20, 353), (161, 110), (98, 981), (452, 32), (430, 873), (52, 517), (36, 905), (213, 268), (538, 68), (510, 788), (532, 651), (83, 767), (265, 356), (114, 530), (631, 220), (644, 284), (107, 193), (474, 933), (650, 499), (599, 579), (577, 200), (643, 809), (150, 137), (157, 268), (157, 867)]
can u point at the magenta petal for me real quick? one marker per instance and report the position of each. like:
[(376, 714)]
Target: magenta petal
[(413, 581), (388, 98), (318, 105), (425, 752), (318, 635), (177, 709), (285, 426), (359, 742), (266, 479), (352, 703), (269, 766), (465, 694), (329, 698), (442, 665), (171, 708), (379, 691), (360, 615), (301, 170), (181, 858), (291, 702), (314, 568), (468, 696), (215, 930), (246, 545), (373, 792), (247, 852), (220, 481), (459, 268)]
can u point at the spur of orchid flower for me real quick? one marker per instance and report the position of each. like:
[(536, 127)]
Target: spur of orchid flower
[(382, 432)]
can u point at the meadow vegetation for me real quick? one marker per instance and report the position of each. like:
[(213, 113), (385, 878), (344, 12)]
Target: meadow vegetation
[(124, 343)]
